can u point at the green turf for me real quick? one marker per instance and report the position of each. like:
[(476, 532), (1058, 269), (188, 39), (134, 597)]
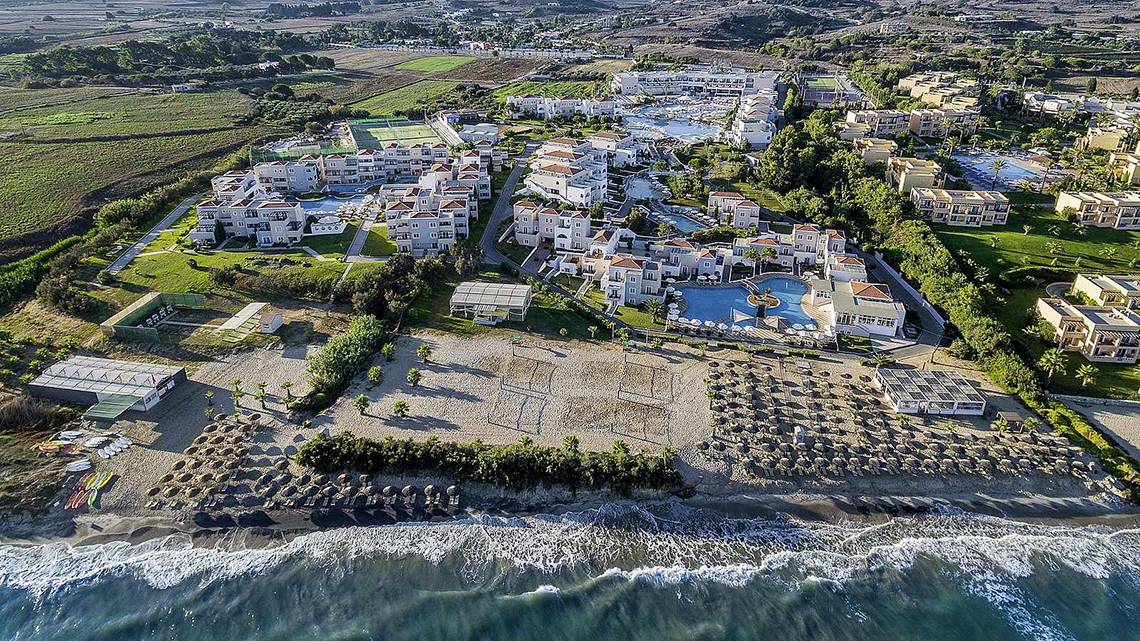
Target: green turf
[(1100, 251), (332, 245), (435, 63), (405, 98), (171, 272), (378, 243), (554, 89)]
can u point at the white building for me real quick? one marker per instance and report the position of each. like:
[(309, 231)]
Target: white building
[(378, 165), (1109, 290), (546, 107), (942, 89), (289, 176), (567, 230), (881, 123), (431, 217), (111, 387), (961, 208), (938, 392), (938, 123), (906, 174), (1106, 334), (491, 303), (755, 122), (568, 170), (874, 151), (805, 245), (732, 208), (1116, 210), (241, 207), (694, 80), (619, 149), (858, 307)]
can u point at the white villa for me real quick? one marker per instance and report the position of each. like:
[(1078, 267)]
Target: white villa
[(369, 165), (694, 80), (858, 307), (297, 176), (1116, 210), (429, 218), (568, 170), (806, 245), (619, 149), (755, 121), (1106, 334), (240, 206), (874, 150), (547, 108), (1110, 290), (961, 208), (568, 230), (733, 208), (907, 173)]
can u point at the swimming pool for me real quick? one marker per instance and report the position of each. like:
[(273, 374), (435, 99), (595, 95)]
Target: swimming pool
[(683, 224), (979, 170), (717, 304), (329, 204)]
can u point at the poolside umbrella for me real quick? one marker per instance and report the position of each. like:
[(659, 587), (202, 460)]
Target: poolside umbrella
[(797, 325), (722, 326), (789, 331), (709, 323), (670, 289), (809, 326)]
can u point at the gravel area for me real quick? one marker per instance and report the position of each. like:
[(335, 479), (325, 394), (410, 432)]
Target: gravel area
[(1121, 421)]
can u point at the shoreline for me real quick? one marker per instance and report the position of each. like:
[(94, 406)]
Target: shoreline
[(259, 528)]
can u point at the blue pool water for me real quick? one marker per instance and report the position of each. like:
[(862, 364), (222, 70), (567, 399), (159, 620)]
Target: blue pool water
[(979, 170), (717, 303), (683, 224)]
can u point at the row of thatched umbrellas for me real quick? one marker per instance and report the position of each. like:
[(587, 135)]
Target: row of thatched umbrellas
[(207, 465), (279, 488)]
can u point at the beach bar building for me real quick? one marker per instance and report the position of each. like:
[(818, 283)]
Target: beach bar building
[(491, 303), (912, 391), (110, 387)]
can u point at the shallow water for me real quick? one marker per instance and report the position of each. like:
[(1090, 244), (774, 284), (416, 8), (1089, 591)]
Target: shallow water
[(618, 572)]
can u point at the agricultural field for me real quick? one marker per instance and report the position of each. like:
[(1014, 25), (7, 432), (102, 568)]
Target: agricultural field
[(607, 66), (48, 185), (142, 113), (405, 98), (567, 88), (1050, 237), (432, 64)]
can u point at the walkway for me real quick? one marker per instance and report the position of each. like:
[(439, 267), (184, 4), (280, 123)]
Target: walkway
[(502, 209), (353, 255), (125, 258)]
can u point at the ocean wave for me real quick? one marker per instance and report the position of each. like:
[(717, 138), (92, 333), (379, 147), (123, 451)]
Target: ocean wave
[(661, 545)]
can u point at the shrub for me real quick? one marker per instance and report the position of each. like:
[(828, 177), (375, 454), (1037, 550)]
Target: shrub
[(344, 355)]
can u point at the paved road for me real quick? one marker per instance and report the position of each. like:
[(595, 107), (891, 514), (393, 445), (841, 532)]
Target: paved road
[(353, 254), (134, 250), (502, 210), (930, 336)]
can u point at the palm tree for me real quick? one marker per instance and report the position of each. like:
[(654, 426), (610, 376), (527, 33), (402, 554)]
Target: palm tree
[(414, 377), (209, 413), (653, 307), (1052, 362), (400, 408), (752, 255), (593, 330), (261, 395), (998, 164), (209, 397), (993, 242), (880, 360), (1025, 229), (287, 386), (1086, 374), (424, 352), (361, 403), (766, 255), (236, 396)]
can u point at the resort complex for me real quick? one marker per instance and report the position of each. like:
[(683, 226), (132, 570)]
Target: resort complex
[(960, 208), (1115, 210), (694, 80)]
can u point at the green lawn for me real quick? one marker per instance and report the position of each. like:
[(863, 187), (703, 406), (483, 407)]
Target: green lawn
[(378, 243), (332, 245), (554, 89), (547, 315), (629, 315), (171, 272), (435, 63), (1099, 250), (405, 98), (514, 251)]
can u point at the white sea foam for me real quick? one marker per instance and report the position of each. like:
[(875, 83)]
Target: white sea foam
[(665, 546)]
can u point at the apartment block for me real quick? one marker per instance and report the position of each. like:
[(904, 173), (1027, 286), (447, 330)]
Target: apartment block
[(938, 123), (568, 230), (732, 208), (1116, 210), (568, 170), (1109, 290), (881, 123), (755, 121), (371, 165), (694, 80), (1126, 165), (805, 246), (1100, 334), (844, 268), (285, 177), (942, 89), (1106, 138), (240, 206), (961, 208), (858, 307), (547, 108), (906, 174), (618, 149), (425, 221), (874, 150)]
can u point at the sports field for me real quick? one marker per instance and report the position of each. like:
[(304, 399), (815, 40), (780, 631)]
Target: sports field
[(435, 63), (405, 98), (373, 134), (821, 82)]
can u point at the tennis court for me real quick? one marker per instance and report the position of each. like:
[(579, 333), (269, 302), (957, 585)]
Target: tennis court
[(373, 134)]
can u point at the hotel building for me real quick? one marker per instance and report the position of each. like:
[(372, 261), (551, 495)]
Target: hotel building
[(1116, 210), (1099, 333), (961, 208)]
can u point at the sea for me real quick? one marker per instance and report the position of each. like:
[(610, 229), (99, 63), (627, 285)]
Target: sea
[(619, 571)]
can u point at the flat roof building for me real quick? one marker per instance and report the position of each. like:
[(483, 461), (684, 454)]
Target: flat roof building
[(912, 391), (111, 387), (491, 303)]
